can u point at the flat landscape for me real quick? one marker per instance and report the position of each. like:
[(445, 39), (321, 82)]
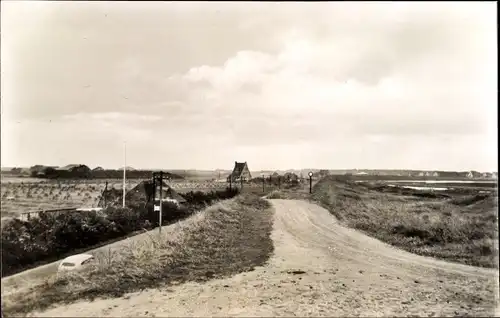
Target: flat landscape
[(21, 195), (377, 249)]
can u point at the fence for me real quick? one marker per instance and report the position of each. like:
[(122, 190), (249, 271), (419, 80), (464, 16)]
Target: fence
[(28, 215)]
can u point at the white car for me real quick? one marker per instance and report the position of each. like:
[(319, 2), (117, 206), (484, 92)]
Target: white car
[(75, 262)]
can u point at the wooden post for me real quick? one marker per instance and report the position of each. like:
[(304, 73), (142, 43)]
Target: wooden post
[(105, 194), (161, 196)]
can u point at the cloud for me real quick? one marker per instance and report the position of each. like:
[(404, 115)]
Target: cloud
[(419, 77), (343, 80)]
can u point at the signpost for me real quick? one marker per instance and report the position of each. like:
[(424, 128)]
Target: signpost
[(105, 194), (310, 181), (158, 178)]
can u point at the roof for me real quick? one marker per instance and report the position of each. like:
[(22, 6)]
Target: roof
[(78, 258), (89, 209), (168, 192), (172, 194), (69, 167), (238, 169)]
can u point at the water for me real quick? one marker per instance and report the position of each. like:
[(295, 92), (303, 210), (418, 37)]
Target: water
[(445, 181), (420, 188)]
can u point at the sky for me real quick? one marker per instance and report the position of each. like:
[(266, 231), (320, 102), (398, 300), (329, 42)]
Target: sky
[(281, 85)]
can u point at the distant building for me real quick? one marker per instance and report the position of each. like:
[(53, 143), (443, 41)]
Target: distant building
[(73, 171), (98, 169), (40, 170), (290, 177), (473, 175), (240, 172)]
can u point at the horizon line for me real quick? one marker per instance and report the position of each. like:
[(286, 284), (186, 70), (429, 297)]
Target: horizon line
[(263, 169)]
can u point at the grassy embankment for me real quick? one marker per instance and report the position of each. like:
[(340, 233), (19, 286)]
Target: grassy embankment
[(228, 238)]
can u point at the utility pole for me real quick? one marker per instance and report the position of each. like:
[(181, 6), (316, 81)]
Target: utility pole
[(124, 169), (161, 197), (263, 183)]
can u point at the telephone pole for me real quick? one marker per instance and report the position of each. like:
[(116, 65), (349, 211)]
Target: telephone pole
[(124, 169), (158, 177)]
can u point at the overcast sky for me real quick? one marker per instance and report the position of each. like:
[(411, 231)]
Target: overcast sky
[(279, 85)]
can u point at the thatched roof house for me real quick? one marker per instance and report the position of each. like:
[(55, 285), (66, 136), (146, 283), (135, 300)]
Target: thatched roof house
[(140, 194), (240, 172)]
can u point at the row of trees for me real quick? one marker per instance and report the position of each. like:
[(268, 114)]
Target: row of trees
[(51, 236)]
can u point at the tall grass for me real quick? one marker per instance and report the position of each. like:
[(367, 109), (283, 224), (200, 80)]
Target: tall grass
[(460, 229)]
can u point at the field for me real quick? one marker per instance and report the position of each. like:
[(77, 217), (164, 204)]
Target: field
[(18, 195), (21, 195)]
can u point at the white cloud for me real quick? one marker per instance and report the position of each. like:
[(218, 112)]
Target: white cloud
[(364, 84)]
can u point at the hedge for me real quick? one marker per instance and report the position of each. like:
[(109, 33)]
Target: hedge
[(52, 236)]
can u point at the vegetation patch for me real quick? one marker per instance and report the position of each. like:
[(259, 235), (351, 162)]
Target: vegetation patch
[(452, 227), (227, 238), (51, 236)]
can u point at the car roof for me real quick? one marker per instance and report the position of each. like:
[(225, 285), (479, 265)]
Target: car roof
[(78, 258)]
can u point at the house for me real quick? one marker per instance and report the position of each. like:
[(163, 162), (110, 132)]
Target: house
[(240, 172), (128, 168), (473, 174), (98, 169), (73, 171), (40, 170), (140, 194), (290, 177)]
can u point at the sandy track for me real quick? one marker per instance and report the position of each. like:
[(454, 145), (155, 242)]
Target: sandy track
[(341, 273)]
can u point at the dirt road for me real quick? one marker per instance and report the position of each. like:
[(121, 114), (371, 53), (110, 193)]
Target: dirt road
[(320, 268)]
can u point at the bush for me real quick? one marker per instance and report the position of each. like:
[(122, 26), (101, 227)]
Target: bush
[(53, 235)]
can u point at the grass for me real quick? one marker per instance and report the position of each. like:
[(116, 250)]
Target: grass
[(457, 228), (227, 238)]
